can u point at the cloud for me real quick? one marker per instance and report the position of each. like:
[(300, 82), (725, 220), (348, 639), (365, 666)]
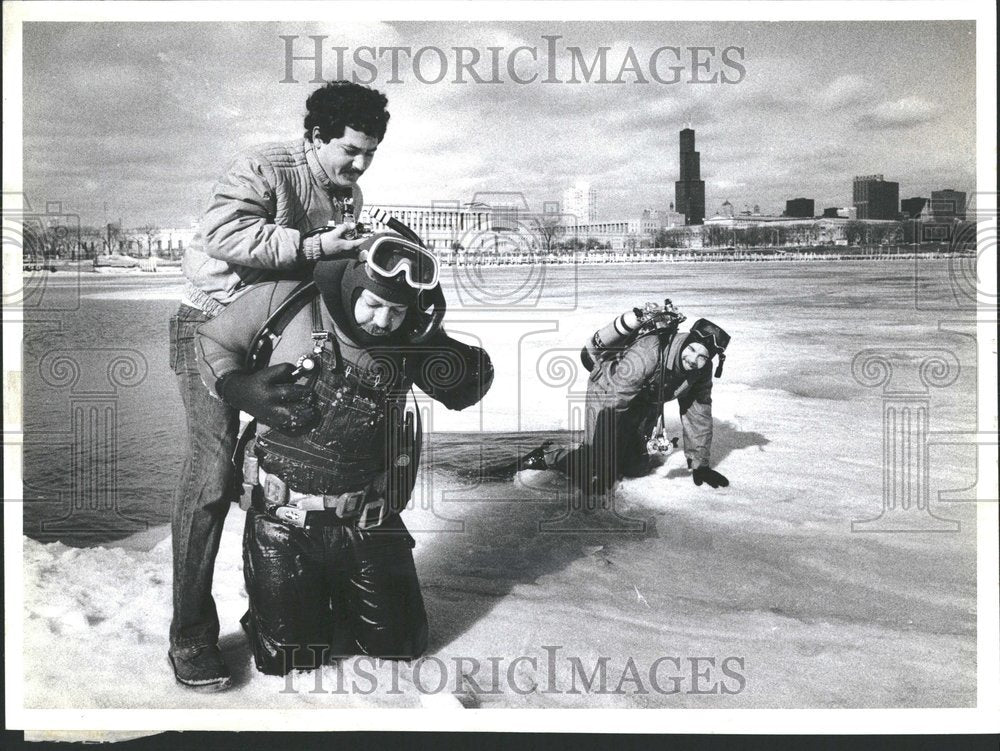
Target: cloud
[(907, 112), (841, 92)]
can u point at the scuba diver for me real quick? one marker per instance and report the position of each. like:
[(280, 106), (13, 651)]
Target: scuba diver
[(325, 367), (638, 362)]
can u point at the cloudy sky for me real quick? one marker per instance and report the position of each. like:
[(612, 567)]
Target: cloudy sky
[(144, 117)]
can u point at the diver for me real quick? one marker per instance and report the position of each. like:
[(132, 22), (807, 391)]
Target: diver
[(327, 559), (638, 362)]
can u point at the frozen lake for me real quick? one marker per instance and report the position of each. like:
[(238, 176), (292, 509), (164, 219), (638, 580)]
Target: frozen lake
[(769, 574)]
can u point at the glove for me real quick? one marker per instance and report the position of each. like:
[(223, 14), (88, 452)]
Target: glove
[(457, 375), (272, 396), (396, 483), (713, 478)]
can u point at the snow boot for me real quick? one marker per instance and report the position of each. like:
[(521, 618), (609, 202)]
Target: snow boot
[(201, 668)]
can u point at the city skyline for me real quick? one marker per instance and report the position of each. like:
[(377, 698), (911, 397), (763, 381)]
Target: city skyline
[(146, 122)]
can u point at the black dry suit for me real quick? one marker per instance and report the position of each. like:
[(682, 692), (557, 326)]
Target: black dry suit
[(331, 587)]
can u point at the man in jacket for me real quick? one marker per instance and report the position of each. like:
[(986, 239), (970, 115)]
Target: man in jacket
[(635, 367), (327, 559), (257, 228)]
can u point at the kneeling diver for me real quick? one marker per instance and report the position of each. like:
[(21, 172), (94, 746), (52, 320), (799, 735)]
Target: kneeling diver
[(327, 559)]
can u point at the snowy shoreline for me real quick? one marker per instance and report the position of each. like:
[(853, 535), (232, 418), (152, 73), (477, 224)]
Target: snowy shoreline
[(742, 256)]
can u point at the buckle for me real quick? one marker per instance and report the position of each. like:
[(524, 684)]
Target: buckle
[(378, 508), (275, 491), (290, 515), (346, 504)]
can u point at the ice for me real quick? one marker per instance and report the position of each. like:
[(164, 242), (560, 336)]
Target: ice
[(766, 573)]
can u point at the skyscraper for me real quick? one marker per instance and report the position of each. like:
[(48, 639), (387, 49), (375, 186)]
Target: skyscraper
[(875, 197), (689, 191), (580, 201)]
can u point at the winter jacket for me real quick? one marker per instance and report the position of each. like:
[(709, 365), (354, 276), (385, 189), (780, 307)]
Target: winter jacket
[(625, 380), (252, 229)]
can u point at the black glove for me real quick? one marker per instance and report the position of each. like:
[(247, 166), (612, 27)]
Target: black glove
[(457, 375), (396, 483), (272, 396), (713, 478)]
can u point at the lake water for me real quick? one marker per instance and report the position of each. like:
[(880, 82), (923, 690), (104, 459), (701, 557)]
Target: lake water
[(104, 425)]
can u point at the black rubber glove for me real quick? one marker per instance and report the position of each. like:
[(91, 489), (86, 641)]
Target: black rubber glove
[(713, 478), (272, 396), (456, 374)]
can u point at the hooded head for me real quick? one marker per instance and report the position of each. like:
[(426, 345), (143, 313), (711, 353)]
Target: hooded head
[(704, 341), (370, 307)]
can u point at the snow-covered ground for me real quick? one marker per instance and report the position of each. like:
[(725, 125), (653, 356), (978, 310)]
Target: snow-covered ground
[(756, 595)]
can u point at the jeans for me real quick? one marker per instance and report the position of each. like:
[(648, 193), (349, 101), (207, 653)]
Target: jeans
[(207, 487)]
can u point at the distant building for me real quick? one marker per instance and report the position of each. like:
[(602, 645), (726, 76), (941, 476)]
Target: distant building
[(727, 210), (580, 201), (831, 213), (448, 226), (875, 197), (749, 210), (912, 208), (689, 191), (168, 242), (800, 208), (948, 205), (628, 233)]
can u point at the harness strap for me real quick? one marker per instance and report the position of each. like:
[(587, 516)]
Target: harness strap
[(321, 337), (270, 333), (662, 363)]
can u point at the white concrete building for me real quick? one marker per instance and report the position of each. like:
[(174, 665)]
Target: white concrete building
[(580, 201)]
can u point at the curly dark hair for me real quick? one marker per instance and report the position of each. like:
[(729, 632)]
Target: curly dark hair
[(341, 104)]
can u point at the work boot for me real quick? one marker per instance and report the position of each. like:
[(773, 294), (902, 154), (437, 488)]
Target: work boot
[(200, 668), (506, 470), (535, 459)]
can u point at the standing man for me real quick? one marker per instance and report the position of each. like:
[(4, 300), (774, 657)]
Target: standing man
[(257, 228)]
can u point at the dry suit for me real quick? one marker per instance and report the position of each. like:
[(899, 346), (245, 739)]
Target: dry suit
[(631, 377), (331, 587)]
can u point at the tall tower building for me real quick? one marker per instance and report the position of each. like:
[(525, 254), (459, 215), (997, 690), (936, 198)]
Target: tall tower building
[(875, 197), (689, 191), (580, 201)]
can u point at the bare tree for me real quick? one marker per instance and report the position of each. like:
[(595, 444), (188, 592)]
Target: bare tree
[(149, 233), (548, 228)]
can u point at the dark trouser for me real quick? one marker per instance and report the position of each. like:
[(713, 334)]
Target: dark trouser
[(615, 448), (330, 591), (205, 491)]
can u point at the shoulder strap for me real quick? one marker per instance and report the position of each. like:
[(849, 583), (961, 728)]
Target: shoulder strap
[(321, 337), (270, 333), (665, 342)]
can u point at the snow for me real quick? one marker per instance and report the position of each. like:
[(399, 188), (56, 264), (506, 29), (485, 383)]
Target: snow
[(760, 591), (766, 570)]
